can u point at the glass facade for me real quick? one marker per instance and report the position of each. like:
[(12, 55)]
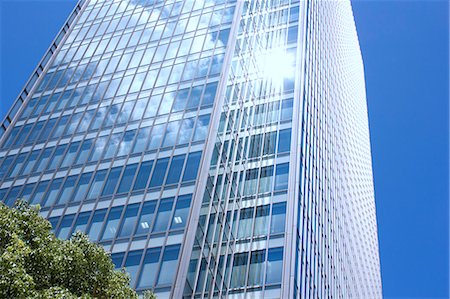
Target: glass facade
[(217, 148)]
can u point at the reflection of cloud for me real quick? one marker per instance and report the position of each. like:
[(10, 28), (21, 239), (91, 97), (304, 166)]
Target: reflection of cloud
[(144, 13)]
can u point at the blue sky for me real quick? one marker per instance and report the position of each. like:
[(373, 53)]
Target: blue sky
[(405, 50)]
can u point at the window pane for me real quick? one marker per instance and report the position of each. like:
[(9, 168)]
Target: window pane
[(117, 259), (265, 183), (143, 175), (81, 223), (52, 193), (245, 223), (201, 129), (70, 155), (82, 187), (169, 263), (57, 157), (255, 274), (261, 220), (148, 273), (13, 195), (112, 223), (65, 227), (67, 189), (181, 212), (132, 265), (159, 173), (127, 178), (286, 110), (129, 220), (112, 180), (176, 167), (282, 175), (96, 185), (190, 172), (278, 218), (238, 273), (274, 265), (163, 217), (146, 218), (96, 225), (38, 193), (284, 143), (141, 140)]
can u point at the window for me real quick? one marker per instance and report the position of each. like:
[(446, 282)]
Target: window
[(163, 216), (286, 110), (193, 161), (265, 183), (245, 223), (67, 189), (112, 181), (238, 273), (149, 269), (261, 220), (159, 173), (251, 180), (84, 152), (284, 143), (65, 227), (117, 259), (26, 193), (201, 129), (270, 141), (141, 140), (112, 223), (156, 136), (57, 157), (82, 187), (96, 224), (97, 184), (39, 193), (31, 161), (132, 265), (127, 178), (278, 218), (186, 131), (256, 270), (52, 193), (43, 160), (169, 263), (13, 194), (181, 212), (176, 167), (129, 220), (282, 176), (171, 133), (274, 265), (143, 175), (16, 166), (146, 217), (70, 155), (112, 146), (81, 223)]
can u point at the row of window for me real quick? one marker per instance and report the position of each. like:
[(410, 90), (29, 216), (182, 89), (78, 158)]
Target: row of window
[(145, 106), (257, 116), (154, 268), (121, 179), (106, 147), (146, 16), (252, 269), (126, 221)]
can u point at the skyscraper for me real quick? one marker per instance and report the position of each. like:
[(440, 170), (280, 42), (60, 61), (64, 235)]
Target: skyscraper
[(215, 148)]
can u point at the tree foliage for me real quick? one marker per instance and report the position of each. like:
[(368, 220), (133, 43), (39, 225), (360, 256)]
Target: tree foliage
[(35, 264)]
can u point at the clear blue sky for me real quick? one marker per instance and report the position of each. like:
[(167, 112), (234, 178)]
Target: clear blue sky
[(405, 50)]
